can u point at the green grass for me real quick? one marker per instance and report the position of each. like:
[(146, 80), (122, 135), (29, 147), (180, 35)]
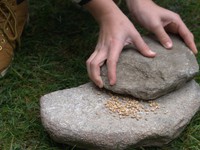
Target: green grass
[(54, 48)]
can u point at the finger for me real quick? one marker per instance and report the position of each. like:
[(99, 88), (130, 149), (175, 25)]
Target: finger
[(94, 67), (180, 28), (113, 56), (163, 37), (142, 46), (187, 37), (88, 62)]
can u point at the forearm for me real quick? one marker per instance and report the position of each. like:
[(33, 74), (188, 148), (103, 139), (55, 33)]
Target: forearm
[(135, 6), (101, 8)]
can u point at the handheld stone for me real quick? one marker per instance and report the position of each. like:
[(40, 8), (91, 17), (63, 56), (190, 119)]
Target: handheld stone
[(149, 78)]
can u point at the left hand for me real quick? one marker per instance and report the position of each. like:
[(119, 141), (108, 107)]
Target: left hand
[(116, 30)]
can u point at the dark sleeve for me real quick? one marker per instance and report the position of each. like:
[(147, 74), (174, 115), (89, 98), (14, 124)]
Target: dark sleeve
[(81, 2)]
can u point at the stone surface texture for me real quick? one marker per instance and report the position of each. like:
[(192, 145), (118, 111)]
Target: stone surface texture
[(78, 116), (149, 78)]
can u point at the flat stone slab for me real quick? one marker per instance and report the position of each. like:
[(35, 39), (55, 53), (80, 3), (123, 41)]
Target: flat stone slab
[(149, 78), (78, 116)]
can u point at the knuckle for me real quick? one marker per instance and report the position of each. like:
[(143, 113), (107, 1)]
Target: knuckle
[(177, 16), (186, 34), (164, 38), (94, 64), (95, 78), (155, 26), (111, 61), (113, 41), (88, 62), (192, 36)]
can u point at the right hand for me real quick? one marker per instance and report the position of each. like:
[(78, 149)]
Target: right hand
[(159, 21)]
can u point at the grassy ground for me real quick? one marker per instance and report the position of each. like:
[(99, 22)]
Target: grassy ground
[(55, 46)]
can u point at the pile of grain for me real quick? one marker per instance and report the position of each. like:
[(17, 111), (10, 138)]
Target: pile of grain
[(129, 107)]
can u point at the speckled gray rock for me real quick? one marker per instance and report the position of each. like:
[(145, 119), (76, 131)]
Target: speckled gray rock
[(149, 78), (78, 116)]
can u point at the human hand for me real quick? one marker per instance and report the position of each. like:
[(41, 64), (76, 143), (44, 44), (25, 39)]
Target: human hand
[(159, 21), (115, 31)]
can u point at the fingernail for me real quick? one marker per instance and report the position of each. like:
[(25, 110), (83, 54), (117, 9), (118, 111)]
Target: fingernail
[(195, 51), (100, 85), (152, 52), (168, 45), (112, 82)]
